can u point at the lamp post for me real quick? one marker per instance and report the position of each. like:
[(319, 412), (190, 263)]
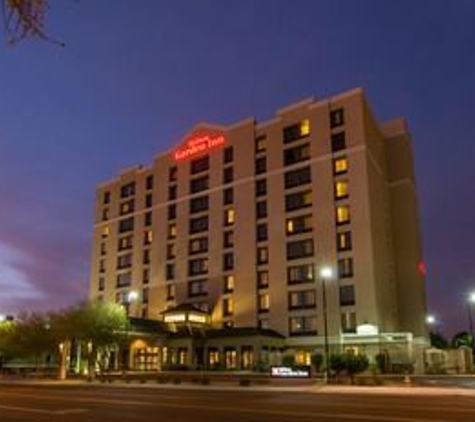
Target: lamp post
[(132, 296), (470, 302), (326, 273)]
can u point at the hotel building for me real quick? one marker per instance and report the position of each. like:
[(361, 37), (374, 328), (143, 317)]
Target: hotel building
[(226, 235)]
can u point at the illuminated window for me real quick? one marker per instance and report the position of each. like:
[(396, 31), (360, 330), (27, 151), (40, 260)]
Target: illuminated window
[(197, 266), (198, 245), (213, 357), (345, 268), (262, 279), (148, 237), (263, 302), (304, 299), (228, 284), (171, 231), (341, 189), (228, 306), (305, 127), (303, 325), (261, 143), (348, 322), (301, 274), (127, 207), (343, 241), (229, 217), (340, 165), (262, 255), (105, 231), (342, 214), (125, 242), (300, 224), (197, 288), (297, 131)]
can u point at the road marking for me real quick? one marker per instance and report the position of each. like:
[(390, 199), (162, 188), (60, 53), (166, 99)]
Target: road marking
[(43, 411)]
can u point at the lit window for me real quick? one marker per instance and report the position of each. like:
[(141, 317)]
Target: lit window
[(343, 214), (341, 189), (148, 237), (340, 165), (105, 231), (171, 231), (228, 306), (305, 127), (229, 216), (228, 283), (290, 226), (263, 302), (343, 241), (261, 143)]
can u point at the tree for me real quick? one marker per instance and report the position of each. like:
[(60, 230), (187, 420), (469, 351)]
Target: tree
[(438, 341), (348, 363), (462, 339), (317, 361)]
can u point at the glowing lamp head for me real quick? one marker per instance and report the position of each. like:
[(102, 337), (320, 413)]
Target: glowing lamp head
[(326, 273), (3, 318), (132, 296), (430, 319), (471, 297)]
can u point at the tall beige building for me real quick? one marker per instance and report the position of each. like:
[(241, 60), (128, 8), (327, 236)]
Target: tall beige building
[(236, 222)]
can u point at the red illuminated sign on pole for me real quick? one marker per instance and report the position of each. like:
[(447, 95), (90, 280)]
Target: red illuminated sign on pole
[(199, 144)]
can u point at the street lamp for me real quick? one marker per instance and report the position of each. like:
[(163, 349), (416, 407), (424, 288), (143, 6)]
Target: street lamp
[(326, 273), (470, 303), (430, 320), (132, 296)]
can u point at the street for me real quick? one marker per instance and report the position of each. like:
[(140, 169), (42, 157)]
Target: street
[(105, 403)]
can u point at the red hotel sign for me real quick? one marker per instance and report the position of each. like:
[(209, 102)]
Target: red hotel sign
[(197, 145)]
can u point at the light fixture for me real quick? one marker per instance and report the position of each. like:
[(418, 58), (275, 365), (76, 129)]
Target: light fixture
[(430, 319), (326, 273), (132, 296)]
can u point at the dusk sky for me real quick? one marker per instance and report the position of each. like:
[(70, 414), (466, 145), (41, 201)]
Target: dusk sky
[(135, 76)]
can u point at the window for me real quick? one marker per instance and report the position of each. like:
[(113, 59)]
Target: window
[(148, 219), (105, 231), (301, 274), (124, 279), (261, 232), (197, 266), (228, 196), (172, 192), (148, 237), (348, 322), (263, 302), (198, 225), (304, 299), (146, 276), (228, 175), (170, 291), (341, 189), (347, 296), (173, 174), (299, 249), (342, 214), (170, 271), (146, 256), (300, 224), (199, 184), (171, 251), (199, 204), (337, 118), (198, 245), (262, 255), (172, 211), (228, 261), (199, 165), (127, 207), (101, 284), (228, 239), (229, 217), (102, 266), (106, 198), (261, 187), (197, 288), (338, 141), (228, 284), (228, 306), (127, 190), (171, 231), (126, 225), (148, 200), (343, 241), (103, 248), (125, 243), (261, 209), (264, 324), (262, 279), (297, 131), (340, 165), (345, 268), (261, 165), (303, 325), (149, 182), (145, 295), (296, 154), (105, 214), (298, 177), (228, 154), (298, 200), (261, 143)]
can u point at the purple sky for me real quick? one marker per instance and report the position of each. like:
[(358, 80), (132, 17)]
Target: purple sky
[(136, 75)]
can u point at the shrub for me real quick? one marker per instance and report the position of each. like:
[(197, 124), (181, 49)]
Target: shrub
[(288, 360), (317, 361)]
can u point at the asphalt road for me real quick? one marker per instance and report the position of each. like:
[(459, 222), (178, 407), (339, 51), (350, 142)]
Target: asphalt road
[(117, 404)]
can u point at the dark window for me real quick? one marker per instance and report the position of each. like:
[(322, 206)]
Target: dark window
[(148, 219), (173, 174), (149, 182), (228, 261), (172, 192), (124, 261), (199, 184), (228, 154), (300, 224), (198, 245), (343, 241), (126, 225), (298, 177), (127, 190), (296, 132), (199, 204), (337, 118), (348, 322), (106, 198), (172, 211), (228, 239), (102, 284), (146, 276), (171, 251), (124, 279), (228, 196), (170, 272), (261, 143), (197, 266), (261, 165), (146, 256), (197, 288), (261, 209), (261, 187), (304, 299), (170, 291), (145, 296), (228, 175), (198, 225), (261, 232), (301, 274), (345, 268), (298, 200), (347, 296), (148, 200), (299, 249), (199, 165), (296, 154), (338, 141)]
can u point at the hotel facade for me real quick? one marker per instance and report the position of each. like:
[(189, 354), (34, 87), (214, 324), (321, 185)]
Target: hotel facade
[(220, 242)]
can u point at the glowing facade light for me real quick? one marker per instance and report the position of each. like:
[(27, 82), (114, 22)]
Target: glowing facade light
[(430, 319), (471, 297), (198, 145), (326, 273), (3, 318), (132, 296)]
